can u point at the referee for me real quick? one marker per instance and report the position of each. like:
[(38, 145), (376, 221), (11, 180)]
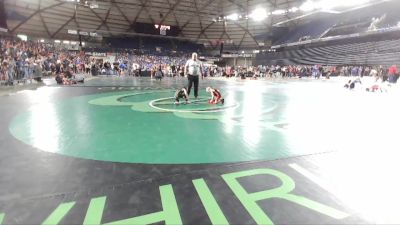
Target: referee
[(193, 69)]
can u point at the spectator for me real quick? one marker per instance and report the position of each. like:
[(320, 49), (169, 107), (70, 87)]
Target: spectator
[(393, 74)]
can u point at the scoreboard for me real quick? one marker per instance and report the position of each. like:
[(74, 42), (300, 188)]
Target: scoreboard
[(156, 29)]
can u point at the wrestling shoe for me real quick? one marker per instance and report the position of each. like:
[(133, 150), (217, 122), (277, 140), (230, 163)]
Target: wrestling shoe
[(222, 101)]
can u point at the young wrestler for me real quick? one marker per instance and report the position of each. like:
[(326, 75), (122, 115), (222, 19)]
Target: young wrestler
[(351, 84), (216, 96), (181, 93), (376, 88)]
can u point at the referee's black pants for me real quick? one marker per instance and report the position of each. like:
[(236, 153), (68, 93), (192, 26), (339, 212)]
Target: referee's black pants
[(193, 80)]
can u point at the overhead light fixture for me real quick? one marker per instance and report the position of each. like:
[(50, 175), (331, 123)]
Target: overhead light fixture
[(278, 12), (294, 9), (66, 42), (233, 16), (72, 32), (93, 5), (41, 41), (258, 14), (308, 6), (73, 42), (57, 41)]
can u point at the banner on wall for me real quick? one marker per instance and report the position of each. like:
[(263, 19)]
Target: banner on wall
[(243, 55), (97, 54)]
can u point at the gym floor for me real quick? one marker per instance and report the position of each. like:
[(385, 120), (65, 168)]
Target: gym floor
[(117, 151)]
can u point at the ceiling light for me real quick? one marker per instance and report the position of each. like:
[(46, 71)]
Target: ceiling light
[(41, 40), (258, 14), (294, 9), (233, 16), (57, 41), (94, 5), (308, 6), (72, 32), (278, 12)]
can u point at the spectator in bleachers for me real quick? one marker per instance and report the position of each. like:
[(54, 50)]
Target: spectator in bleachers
[(32, 58), (374, 73), (354, 71), (315, 71), (393, 74)]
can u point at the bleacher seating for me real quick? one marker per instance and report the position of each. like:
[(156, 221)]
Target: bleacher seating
[(349, 28), (321, 25), (312, 29), (154, 45), (385, 52)]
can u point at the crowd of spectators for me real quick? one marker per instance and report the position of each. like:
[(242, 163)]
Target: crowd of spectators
[(384, 73), (275, 71), (134, 64), (24, 60), (27, 60)]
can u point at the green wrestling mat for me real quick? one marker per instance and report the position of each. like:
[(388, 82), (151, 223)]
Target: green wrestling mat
[(260, 122)]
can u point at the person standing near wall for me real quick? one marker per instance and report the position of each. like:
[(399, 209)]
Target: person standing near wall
[(193, 69)]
